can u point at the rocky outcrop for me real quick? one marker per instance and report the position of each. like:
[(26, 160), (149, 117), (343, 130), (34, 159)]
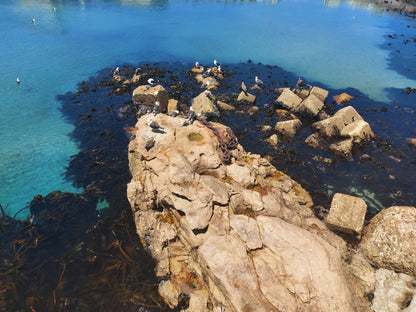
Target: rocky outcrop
[(389, 241), (147, 95), (226, 228)]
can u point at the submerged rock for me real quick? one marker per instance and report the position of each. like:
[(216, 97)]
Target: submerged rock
[(226, 223), (342, 98)]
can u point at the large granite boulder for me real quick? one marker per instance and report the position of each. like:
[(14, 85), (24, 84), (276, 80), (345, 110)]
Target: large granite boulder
[(204, 104), (389, 241), (148, 95), (229, 230)]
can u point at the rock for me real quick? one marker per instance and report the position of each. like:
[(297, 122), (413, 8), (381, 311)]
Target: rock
[(136, 78), (389, 241), (311, 106), (358, 131), (224, 106), (247, 229), (204, 105), (333, 126), (254, 110), (411, 142), (273, 140), (315, 141), (363, 273), (170, 293), (248, 98), (394, 292), (197, 70), (288, 99), (226, 228), (266, 129), (320, 93), (347, 214), (288, 128), (342, 98), (211, 83), (172, 105), (148, 95), (303, 91), (342, 148), (255, 87), (283, 114)]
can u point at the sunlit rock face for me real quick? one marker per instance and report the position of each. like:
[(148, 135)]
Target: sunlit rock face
[(228, 229)]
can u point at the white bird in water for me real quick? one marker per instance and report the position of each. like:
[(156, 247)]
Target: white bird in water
[(216, 63), (54, 9), (156, 107), (258, 81), (154, 125), (151, 81), (33, 21), (17, 80)]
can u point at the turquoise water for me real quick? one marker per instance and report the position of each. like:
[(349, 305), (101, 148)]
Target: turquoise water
[(339, 46)]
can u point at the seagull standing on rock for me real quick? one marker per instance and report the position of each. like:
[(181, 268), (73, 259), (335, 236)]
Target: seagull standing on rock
[(151, 81), (216, 63), (116, 71), (191, 114), (175, 113), (244, 87), (258, 81), (154, 125), (156, 107), (196, 64)]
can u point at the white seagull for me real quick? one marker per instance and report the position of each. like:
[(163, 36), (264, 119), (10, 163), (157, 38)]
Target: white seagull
[(196, 64), (116, 71), (33, 21), (156, 107), (151, 81), (138, 69), (258, 81), (175, 113), (205, 85), (17, 80), (153, 124), (216, 63), (244, 87)]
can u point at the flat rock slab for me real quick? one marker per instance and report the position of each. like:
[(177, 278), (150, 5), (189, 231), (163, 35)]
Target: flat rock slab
[(347, 214), (246, 97), (389, 241)]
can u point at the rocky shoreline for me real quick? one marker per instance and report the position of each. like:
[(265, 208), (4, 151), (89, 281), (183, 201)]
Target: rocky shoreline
[(232, 233)]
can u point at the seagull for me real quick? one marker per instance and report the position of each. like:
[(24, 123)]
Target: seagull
[(54, 9), (196, 64), (33, 21), (191, 114), (206, 74), (17, 80), (156, 107), (116, 71), (244, 87), (258, 81), (216, 63), (154, 125), (151, 81), (175, 113), (138, 69), (219, 68), (205, 85), (300, 82)]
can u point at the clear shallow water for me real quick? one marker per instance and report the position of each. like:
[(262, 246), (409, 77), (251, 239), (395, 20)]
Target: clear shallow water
[(339, 46)]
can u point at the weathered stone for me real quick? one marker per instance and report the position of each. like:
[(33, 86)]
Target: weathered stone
[(148, 95), (203, 105), (172, 105), (253, 110), (347, 214), (298, 254), (342, 148), (198, 301), (283, 114), (210, 83), (224, 106), (231, 268), (136, 78), (364, 274), (303, 91), (342, 98), (240, 174), (333, 125), (247, 229), (320, 93), (357, 131), (394, 292), (288, 99), (197, 70), (266, 129), (389, 241), (289, 127), (273, 140), (311, 106), (248, 98), (170, 293), (315, 141), (411, 142)]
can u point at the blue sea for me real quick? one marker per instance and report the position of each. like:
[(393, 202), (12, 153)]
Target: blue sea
[(338, 44)]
